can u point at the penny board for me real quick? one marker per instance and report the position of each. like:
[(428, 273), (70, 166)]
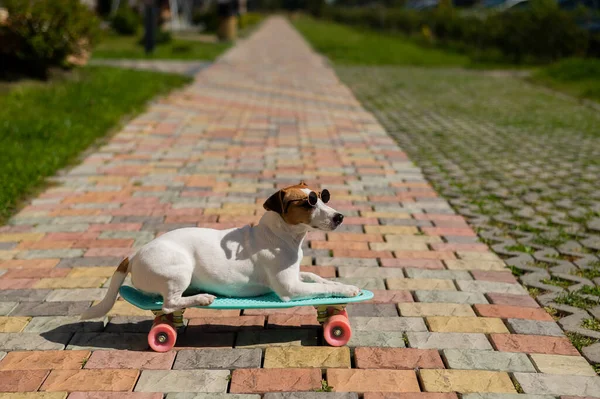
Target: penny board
[(269, 301)]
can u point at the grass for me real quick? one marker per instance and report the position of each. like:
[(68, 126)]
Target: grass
[(44, 126), (580, 341), (576, 300), (591, 324), (578, 77), (352, 46), (558, 282), (113, 46)]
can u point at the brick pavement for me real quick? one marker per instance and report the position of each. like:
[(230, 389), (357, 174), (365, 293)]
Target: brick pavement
[(448, 317)]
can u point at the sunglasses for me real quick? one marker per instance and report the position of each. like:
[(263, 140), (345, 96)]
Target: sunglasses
[(312, 199)]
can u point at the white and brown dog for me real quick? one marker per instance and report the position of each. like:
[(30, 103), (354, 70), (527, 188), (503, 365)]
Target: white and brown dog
[(241, 262)]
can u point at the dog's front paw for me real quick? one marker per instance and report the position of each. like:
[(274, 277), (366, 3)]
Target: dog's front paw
[(207, 299), (350, 291)]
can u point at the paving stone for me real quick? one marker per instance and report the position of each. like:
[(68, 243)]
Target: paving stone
[(556, 364), (63, 324), (310, 395), (65, 283), (387, 324), (433, 340), (466, 381), (491, 286), (365, 283), (485, 325), (307, 357), (212, 395), (512, 300), (438, 274), (406, 395), (410, 284), (44, 360), (13, 324), (2, 355), (50, 308), (450, 297), (397, 358), (550, 384), (76, 294), (505, 396), (115, 395), (362, 272), (96, 340), (462, 264), (512, 312), (50, 253), (104, 359), (33, 395), (90, 380), (275, 380), (21, 380), (266, 338), (533, 344), (344, 262), (418, 309), (182, 381), (466, 359), (33, 341), (218, 359), (373, 310), (205, 340), (7, 307), (28, 295), (129, 324), (357, 380), (384, 339), (534, 327)]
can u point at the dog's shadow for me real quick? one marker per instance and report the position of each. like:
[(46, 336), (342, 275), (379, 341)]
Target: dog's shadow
[(133, 335)]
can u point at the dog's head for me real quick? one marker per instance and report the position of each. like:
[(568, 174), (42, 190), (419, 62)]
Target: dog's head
[(300, 205)]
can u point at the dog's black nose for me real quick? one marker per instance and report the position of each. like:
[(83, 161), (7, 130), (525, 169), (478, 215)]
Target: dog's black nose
[(338, 218)]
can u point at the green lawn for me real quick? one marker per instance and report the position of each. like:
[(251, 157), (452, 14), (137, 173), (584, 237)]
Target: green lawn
[(44, 126), (113, 46), (578, 77), (347, 45)]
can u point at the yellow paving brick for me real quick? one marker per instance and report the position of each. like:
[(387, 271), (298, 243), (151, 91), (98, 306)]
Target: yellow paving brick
[(122, 308), (466, 381), (390, 215), (557, 364), (410, 284), (78, 282), (13, 324), (33, 395), (100, 271), (396, 230), (306, 261), (247, 190), (15, 237), (422, 309), (8, 255), (304, 356), (491, 265), (398, 246), (486, 325)]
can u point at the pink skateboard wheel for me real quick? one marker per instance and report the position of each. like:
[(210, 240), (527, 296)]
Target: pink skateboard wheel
[(162, 337), (336, 330)]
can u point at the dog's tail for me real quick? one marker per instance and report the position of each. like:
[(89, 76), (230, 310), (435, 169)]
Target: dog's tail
[(109, 300)]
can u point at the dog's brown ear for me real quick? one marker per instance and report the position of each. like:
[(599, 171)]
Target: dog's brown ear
[(302, 183), (275, 202)]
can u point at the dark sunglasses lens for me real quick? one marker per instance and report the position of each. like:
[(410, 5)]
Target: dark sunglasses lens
[(312, 198), (325, 196)]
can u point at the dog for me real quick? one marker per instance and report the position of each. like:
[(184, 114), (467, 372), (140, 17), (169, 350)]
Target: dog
[(240, 262)]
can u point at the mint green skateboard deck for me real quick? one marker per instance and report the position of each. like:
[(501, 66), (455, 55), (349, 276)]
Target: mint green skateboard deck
[(331, 314), (269, 301)]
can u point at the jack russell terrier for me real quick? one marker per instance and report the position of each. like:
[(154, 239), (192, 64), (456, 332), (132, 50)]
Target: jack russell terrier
[(241, 262)]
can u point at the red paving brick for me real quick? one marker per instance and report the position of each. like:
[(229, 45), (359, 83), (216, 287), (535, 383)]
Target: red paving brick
[(533, 344)]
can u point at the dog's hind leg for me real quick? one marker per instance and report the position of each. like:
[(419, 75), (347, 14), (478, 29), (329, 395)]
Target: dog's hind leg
[(174, 302)]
